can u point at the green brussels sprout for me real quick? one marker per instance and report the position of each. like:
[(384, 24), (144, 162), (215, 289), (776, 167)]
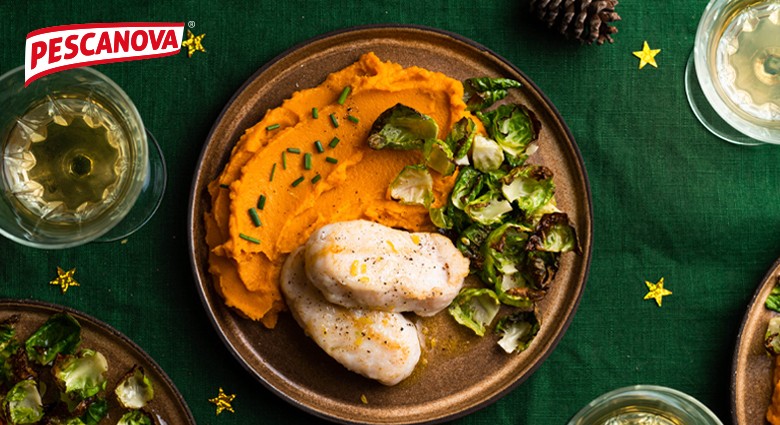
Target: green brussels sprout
[(413, 186), (470, 244), (513, 127), (554, 233), (480, 93), (135, 389), (475, 308), (135, 417), (83, 375), (531, 187), (22, 404), (401, 127), (95, 412), (773, 299), (439, 217), (517, 331), (487, 154), (772, 336), (467, 187), (61, 334), (461, 138), (438, 156), (65, 421), (489, 208), (8, 348)]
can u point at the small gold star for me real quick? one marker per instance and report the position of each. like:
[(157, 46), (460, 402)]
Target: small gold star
[(223, 401), (657, 291), (193, 43), (647, 56), (64, 279)]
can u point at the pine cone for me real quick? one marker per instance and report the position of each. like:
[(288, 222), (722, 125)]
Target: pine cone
[(585, 20)]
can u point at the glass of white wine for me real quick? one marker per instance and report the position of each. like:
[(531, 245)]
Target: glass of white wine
[(77, 163), (733, 74)]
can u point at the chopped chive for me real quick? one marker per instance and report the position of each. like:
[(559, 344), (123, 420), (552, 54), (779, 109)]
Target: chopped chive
[(255, 218), (272, 127), (316, 178), (261, 202), (284, 160), (249, 238), (334, 120), (332, 160), (344, 94), (353, 119), (224, 186), (314, 113), (307, 161), (318, 146), (297, 181), (273, 170), (334, 142), (294, 150)]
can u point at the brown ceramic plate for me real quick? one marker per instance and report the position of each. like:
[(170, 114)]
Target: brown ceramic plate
[(751, 374), (470, 372), (120, 352)]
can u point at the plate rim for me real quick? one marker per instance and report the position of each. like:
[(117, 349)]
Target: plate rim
[(765, 280), (194, 192), (44, 306)]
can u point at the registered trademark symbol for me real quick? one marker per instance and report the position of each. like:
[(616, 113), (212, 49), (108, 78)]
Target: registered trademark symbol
[(191, 24)]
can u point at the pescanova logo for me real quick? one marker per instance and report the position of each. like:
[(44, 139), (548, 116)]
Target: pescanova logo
[(53, 49)]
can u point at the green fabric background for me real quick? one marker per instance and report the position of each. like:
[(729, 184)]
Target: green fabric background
[(670, 200)]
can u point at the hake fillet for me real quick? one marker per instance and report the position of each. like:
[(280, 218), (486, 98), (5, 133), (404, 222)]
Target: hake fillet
[(378, 345), (368, 265)]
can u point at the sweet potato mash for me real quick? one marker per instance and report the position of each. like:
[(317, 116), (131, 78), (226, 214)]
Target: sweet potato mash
[(269, 161)]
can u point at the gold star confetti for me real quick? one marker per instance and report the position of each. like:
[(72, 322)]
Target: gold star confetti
[(193, 43), (223, 401), (647, 56), (64, 279), (656, 291)]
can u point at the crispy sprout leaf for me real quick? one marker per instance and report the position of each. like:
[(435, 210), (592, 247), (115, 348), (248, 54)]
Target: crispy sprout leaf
[(487, 154), (554, 233), (413, 186), (517, 331), (438, 156), (773, 299), (475, 308), (461, 137), (82, 375), (135, 417), (480, 93), (96, 411), (467, 187), (401, 127), (513, 127), (61, 334), (22, 404), (135, 389), (489, 208), (531, 187)]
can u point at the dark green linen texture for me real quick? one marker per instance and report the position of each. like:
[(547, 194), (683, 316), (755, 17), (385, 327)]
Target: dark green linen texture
[(669, 199)]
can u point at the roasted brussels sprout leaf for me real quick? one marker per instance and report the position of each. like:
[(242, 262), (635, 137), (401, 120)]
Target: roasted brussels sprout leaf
[(439, 218), (773, 299), (61, 334), (517, 331), (487, 155), (22, 404), (470, 244), (461, 137), (488, 208), (82, 375), (8, 347), (554, 233), (467, 187), (480, 93), (438, 157), (413, 186), (401, 127), (513, 127), (95, 412), (530, 186), (475, 308), (68, 421), (135, 389), (772, 336), (135, 417)]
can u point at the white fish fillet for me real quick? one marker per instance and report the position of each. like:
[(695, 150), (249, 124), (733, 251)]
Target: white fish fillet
[(378, 345), (368, 265)]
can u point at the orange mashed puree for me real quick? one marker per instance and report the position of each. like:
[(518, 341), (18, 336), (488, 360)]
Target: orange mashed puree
[(246, 274)]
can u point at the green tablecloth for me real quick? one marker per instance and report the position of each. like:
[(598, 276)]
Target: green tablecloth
[(670, 200)]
